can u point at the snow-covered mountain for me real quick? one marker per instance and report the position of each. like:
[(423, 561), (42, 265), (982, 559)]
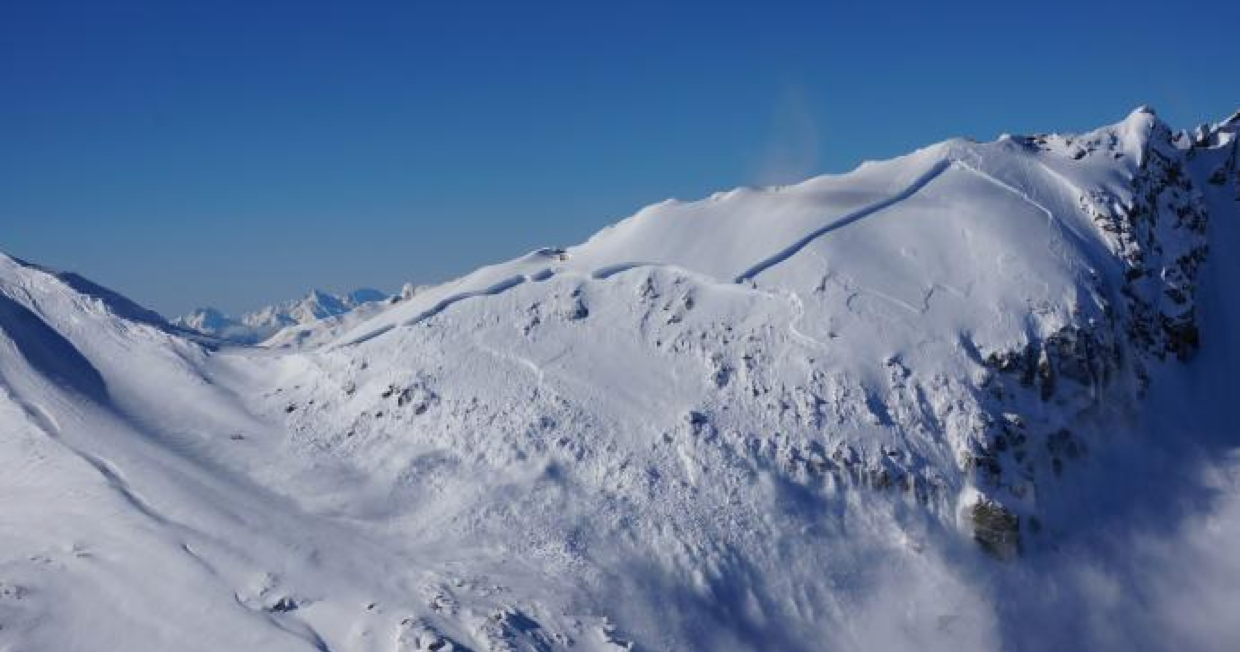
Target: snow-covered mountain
[(977, 397), (264, 323)]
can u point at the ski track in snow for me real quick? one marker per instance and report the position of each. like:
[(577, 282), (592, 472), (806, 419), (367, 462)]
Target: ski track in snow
[(791, 250), (746, 277), (608, 271), (808, 341), (1058, 224), (468, 527), (519, 360)]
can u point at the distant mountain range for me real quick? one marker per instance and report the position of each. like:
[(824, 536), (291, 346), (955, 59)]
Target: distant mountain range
[(259, 325)]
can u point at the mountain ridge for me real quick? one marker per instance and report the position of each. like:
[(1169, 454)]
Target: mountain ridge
[(266, 322), (968, 398)]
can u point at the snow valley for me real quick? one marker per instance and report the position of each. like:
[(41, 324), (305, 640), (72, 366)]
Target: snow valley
[(977, 397)]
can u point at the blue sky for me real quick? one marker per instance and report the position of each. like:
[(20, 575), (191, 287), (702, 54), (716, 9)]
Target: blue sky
[(237, 153)]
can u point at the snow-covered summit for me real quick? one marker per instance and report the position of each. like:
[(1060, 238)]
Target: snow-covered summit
[(976, 397), (264, 323)]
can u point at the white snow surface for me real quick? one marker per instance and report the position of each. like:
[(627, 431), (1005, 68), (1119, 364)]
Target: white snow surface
[(284, 321), (754, 422)]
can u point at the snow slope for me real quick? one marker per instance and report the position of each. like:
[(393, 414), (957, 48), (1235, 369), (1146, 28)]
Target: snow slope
[(970, 398)]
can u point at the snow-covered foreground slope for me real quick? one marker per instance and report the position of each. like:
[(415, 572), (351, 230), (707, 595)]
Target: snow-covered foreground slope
[(973, 398)]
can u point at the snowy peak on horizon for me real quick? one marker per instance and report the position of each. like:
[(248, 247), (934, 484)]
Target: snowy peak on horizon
[(976, 398), (262, 324)]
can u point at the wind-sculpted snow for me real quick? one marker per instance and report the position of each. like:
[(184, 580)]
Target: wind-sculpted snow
[(50, 354), (974, 398), (844, 221), (118, 304), (501, 286)]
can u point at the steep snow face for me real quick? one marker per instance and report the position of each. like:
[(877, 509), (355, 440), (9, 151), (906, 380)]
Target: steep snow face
[(945, 300), (265, 323), (935, 403)]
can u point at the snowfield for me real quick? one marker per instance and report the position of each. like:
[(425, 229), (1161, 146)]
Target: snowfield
[(978, 397)]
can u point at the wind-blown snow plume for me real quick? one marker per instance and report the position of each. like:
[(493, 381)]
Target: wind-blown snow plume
[(973, 398)]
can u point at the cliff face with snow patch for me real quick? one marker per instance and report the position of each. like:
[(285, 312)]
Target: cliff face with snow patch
[(786, 418)]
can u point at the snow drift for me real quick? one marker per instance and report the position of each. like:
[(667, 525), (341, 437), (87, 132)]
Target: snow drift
[(975, 397)]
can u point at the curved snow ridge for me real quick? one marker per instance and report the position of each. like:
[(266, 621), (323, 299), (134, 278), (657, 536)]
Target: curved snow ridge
[(113, 301), (441, 305), (791, 250), (608, 271), (48, 352), (760, 231), (600, 274)]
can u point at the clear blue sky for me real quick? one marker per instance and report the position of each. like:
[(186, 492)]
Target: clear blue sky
[(236, 153)]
